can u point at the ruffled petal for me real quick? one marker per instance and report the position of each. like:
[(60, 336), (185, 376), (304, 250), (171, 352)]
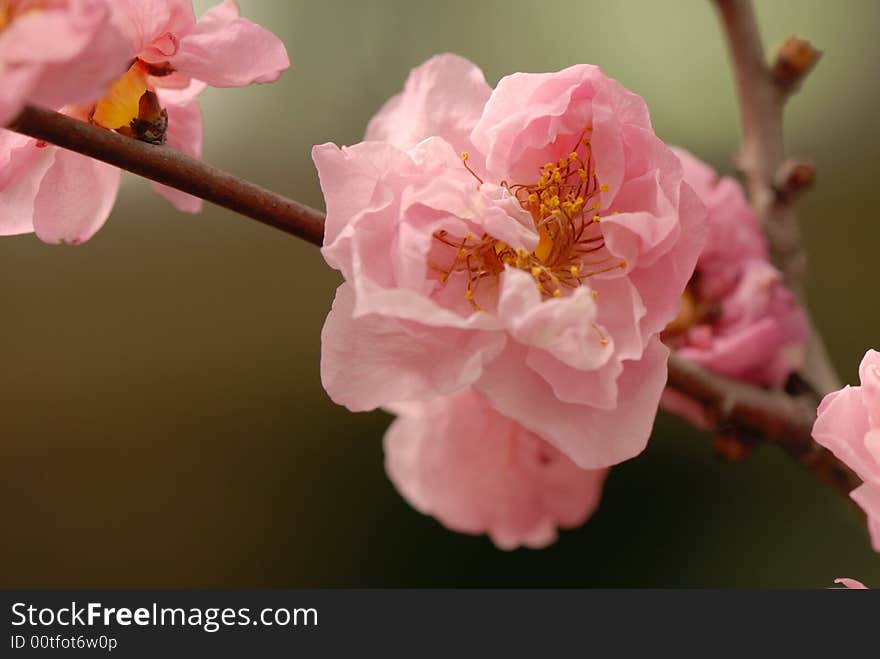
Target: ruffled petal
[(153, 28), (373, 360), (591, 437), (225, 50), (457, 459), (841, 426), (443, 97)]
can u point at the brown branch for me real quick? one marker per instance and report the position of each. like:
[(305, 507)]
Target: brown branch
[(174, 169), (762, 92), (778, 418), (739, 408)]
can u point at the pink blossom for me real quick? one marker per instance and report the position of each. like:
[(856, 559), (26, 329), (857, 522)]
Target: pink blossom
[(56, 52), (848, 424), (539, 267), (852, 584), (476, 471), (737, 317), (65, 197), (734, 237)]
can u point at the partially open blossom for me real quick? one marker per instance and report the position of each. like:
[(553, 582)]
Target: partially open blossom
[(737, 318), (169, 59), (530, 241), (848, 424), (56, 52), (852, 584), (458, 459)]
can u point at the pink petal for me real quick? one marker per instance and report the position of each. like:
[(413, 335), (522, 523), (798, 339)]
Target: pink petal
[(529, 112), (53, 34), (841, 426), (17, 84), (63, 54), (869, 374), (225, 50), (373, 360), (443, 97), (75, 198), (564, 327), (851, 583), (22, 167), (350, 177), (664, 280), (184, 134), (597, 388), (153, 28), (477, 472), (591, 437), (867, 495)]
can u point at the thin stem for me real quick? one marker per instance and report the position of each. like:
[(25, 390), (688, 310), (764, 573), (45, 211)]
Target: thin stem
[(174, 169), (761, 101)]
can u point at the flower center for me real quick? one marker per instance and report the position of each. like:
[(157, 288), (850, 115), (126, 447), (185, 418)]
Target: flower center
[(131, 107), (564, 207), (694, 311)]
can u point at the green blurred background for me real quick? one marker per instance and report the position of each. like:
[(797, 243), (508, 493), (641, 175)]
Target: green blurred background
[(162, 419)]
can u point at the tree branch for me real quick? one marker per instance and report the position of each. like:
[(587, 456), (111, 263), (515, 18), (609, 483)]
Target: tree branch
[(165, 165), (776, 417), (762, 93)]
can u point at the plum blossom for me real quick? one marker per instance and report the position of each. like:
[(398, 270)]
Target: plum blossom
[(530, 242), (169, 59), (737, 318), (848, 424), (851, 584), (458, 459), (56, 52)]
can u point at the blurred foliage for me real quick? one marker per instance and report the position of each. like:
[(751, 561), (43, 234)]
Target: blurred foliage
[(163, 422)]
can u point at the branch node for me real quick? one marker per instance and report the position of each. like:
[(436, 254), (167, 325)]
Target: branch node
[(732, 448), (795, 58), (792, 179)]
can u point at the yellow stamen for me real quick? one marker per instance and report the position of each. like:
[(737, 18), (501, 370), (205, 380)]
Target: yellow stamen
[(569, 250), (545, 245)]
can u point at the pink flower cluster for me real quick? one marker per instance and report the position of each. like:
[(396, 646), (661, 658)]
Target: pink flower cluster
[(511, 257), (848, 424), (737, 317), (134, 66)]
